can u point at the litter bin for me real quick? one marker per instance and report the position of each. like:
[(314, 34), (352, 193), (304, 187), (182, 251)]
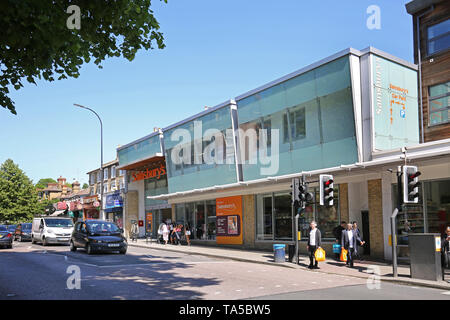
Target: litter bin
[(291, 252), (279, 252), (425, 256)]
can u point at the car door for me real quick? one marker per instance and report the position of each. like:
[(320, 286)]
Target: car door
[(82, 235)]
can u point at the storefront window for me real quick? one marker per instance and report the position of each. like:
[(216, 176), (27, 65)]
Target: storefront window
[(200, 227), (264, 219), (283, 217), (211, 222), (190, 219), (437, 205), (277, 223), (410, 219), (179, 213)]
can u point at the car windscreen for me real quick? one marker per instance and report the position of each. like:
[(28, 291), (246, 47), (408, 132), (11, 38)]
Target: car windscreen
[(26, 226), (59, 223), (102, 227)]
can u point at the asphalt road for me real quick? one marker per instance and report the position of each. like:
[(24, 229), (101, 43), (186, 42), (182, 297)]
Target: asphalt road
[(34, 272)]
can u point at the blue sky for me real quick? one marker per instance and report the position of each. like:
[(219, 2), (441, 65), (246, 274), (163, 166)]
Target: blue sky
[(215, 50)]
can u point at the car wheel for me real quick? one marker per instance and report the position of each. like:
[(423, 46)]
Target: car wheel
[(45, 242), (72, 246), (32, 240), (123, 251), (89, 249)]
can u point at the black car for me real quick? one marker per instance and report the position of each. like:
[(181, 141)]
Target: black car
[(98, 236), (23, 232), (6, 239)]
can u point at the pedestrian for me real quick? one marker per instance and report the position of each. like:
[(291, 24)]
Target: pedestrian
[(165, 233), (445, 251), (349, 242), (337, 232), (357, 252), (170, 232), (134, 231), (187, 233), (314, 243)]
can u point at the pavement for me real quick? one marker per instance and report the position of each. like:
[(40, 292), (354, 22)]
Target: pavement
[(362, 269)]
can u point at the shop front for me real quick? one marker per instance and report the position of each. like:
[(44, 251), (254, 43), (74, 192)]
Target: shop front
[(91, 208), (114, 208)]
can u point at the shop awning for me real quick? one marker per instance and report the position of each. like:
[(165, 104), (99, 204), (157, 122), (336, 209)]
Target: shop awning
[(143, 163)]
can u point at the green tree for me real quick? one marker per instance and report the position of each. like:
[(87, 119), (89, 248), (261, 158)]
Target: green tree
[(36, 41), (18, 196), (42, 183), (85, 186)]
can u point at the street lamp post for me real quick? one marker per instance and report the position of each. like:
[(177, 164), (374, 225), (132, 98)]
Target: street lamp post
[(101, 157)]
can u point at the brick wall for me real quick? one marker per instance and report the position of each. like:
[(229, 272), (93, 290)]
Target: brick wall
[(343, 201), (376, 218), (248, 218)]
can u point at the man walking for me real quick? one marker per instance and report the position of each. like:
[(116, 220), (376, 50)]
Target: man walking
[(337, 232), (355, 227), (349, 242), (445, 251), (314, 242)]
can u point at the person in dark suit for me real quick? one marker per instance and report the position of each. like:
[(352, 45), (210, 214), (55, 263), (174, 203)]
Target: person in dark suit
[(445, 244), (355, 227), (349, 242), (314, 242), (337, 232)]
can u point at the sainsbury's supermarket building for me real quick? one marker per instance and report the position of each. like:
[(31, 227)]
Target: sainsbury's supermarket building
[(348, 115)]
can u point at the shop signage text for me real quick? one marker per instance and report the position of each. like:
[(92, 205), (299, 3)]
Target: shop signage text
[(149, 173)]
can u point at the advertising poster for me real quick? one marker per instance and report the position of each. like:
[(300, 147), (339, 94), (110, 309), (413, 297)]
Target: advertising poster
[(229, 220), (149, 221)]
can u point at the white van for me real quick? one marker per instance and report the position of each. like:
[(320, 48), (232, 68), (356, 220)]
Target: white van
[(48, 230)]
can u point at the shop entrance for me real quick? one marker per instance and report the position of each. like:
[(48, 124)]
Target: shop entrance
[(157, 217), (366, 231)]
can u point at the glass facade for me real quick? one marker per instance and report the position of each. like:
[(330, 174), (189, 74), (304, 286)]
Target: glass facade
[(197, 172), (274, 219), (142, 150), (313, 113), (155, 187), (430, 215), (199, 217)]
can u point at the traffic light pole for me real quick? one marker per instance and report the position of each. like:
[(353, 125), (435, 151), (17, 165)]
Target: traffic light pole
[(393, 222)]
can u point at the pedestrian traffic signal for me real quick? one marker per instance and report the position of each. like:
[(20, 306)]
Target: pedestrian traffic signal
[(304, 195), (410, 184), (326, 189)]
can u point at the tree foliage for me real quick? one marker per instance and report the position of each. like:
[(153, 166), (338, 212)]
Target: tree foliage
[(35, 42), (18, 196), (85, 186), (42, 183)]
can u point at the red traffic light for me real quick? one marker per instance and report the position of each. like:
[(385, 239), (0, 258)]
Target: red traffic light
[(414, 175), (328, 182)]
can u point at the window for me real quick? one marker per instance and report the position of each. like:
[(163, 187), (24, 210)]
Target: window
[(200, 228), (99, 175), (283, 217), (439, 37), (122, 183), (92, 178), (439, 103), (105, 187), (437, 195), (211, 222), (113, 171), (294, 126), (113, 185), (105, 173)]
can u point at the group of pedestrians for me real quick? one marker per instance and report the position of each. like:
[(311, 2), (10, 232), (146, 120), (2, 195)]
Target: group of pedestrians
[(173, 233), (347, 235)]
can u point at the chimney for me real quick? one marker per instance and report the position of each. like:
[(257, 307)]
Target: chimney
[(75, 187), (61, 182)]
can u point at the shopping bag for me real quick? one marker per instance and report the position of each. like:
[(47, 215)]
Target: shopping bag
[(320, 254), (336, 248), (344, 255)]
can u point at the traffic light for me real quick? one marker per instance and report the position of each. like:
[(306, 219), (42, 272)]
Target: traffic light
[(304, 195), (326, 189), (410, 184), (295, 191)]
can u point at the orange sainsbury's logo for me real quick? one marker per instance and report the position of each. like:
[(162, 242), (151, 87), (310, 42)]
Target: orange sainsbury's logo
[(149, 173)]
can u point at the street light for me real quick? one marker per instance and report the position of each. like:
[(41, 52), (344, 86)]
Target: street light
[(101, 157)]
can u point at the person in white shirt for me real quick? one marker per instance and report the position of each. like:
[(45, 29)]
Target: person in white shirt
[(350, 240), (314, 242)]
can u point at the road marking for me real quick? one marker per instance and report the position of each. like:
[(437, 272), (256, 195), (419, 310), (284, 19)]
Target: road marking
[(446, 293), (261, 288), (238, 290)]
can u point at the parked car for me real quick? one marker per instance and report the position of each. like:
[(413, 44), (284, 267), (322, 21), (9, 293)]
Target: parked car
[(48, 230), (6, 239), (23, 232), (3, 227), (98, 236), (11, 228)]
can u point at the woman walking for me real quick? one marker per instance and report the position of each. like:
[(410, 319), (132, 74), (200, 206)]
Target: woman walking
[(187, 233), (165, 233)]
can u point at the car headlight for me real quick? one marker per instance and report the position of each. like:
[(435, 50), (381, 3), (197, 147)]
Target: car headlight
[(49, 230)]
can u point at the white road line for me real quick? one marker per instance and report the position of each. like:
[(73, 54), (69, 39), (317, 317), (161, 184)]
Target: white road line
[(446, 293)]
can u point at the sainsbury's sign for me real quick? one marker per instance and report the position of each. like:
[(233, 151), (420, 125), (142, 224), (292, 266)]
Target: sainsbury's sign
[(149, 173)]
